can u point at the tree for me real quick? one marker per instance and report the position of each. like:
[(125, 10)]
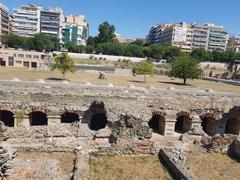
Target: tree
[(185, 68), (200, 54), (64, 63), (133, 50), (144, 68), (40, 42), (106, 33), (13, 40), (91, 41)]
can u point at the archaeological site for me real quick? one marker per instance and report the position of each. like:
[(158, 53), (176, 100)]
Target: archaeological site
[(51, 131)]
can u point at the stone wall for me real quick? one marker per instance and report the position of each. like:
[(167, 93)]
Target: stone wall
[(54, 100)]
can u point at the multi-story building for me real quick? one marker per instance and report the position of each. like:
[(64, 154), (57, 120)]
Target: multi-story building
[(79, 20), (189, 36), (155, 34), (5, 20), (26, 20), (28, 59), (124, 39), (218, 38), (179, 35), (234, 44), (51, 22), (76, 30), (200, 36)]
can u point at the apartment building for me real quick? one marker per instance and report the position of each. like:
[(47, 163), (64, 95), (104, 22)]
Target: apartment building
[(189, 36), (200, 36), (26, 20), (5, 20), (218, 38), (179, 35), (51, 22), (234, 44), (28, 59), (76, 30)]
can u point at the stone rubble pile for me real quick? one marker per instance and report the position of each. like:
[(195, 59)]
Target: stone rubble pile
[(220, 143), (6, 155), (130, 127)]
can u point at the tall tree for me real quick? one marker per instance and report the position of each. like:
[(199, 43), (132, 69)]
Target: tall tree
[(144, 68), (64, 63), (185, 68), (106, 33)]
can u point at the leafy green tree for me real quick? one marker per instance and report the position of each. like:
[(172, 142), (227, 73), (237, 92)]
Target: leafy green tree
[(200, 54), (170, 52), (64, 63), (110, 48), (89, 49), (138, 42), (185, 67), (71, 47), (133, 50), (155, 52), (144, 68), (91, 41), (13, 40), (40, 42), (106, 33)]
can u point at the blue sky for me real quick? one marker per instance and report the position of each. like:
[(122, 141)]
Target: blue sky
[(133, 18)]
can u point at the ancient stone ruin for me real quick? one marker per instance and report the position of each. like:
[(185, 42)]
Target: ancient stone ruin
[(89, 119)]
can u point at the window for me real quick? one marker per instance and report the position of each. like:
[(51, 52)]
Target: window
[(10, 61), (28, 56), (35, 56), (21, 55)]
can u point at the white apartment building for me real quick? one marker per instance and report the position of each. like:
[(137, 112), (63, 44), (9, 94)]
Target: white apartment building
[(189, 36), (51, 22), (218, 38), (5, 20), (26, 20), (179, 35), (200, 36)]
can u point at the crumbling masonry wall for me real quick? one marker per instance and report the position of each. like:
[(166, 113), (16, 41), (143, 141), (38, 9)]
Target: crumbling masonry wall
[(51, 102)]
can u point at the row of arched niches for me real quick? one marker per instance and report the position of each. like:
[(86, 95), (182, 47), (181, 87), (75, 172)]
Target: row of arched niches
[(228, 123)]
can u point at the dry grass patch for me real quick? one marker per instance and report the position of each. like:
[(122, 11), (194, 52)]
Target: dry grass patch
[(117, 79), (40, 165), (213, 166), (127, 167)]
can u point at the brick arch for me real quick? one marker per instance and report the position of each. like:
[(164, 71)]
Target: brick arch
[(38, 118), (232, 123), (7, 117), (183, 122), (158, 122), (209, 123), (96, 116), (69, 117)]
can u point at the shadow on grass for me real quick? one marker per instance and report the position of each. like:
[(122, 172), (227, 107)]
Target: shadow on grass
[(174, 83), (137, 81), (55, 79)]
